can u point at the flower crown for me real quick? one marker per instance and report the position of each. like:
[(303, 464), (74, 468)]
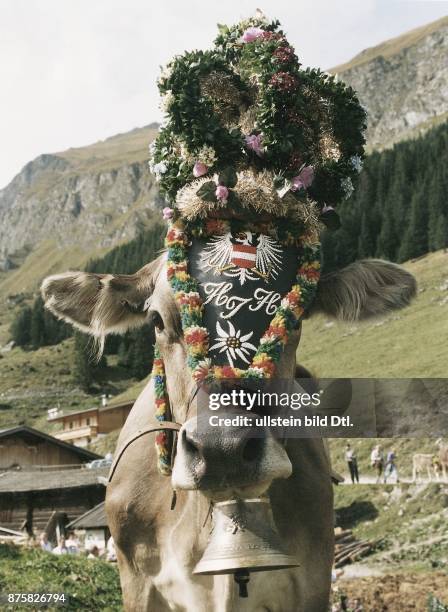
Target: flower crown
[(247, 131)]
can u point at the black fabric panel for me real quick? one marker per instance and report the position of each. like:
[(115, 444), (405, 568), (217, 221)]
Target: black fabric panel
[(240, 288)]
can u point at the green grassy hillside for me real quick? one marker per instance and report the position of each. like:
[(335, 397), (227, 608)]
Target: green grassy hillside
[(407, 343)]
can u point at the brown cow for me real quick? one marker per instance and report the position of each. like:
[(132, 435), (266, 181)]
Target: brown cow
[(157, 548)]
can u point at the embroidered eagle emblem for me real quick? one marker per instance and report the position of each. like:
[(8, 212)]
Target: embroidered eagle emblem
[(244, 255)]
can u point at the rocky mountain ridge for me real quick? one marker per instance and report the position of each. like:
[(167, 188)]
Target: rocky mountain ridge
[(79, 202), (403, 83)]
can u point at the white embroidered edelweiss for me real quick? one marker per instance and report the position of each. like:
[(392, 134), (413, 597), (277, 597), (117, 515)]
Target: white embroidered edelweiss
[(233, 343)]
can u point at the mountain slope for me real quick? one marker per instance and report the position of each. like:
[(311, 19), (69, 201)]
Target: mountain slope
[(402, 82), (65, 207)]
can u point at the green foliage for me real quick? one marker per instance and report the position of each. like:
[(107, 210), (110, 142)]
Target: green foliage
[(132, 255), (301, 117), (136, 352), (400, 208), (21, 327), (82, 366), (34, 327), (86, 369), (89, 584)]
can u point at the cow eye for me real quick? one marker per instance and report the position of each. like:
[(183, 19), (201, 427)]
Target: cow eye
[(155, 319)]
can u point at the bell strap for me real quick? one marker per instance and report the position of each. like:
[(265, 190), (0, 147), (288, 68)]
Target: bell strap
[(173, 426)]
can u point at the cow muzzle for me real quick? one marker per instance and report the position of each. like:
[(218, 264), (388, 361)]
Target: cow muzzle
[(228, 462)]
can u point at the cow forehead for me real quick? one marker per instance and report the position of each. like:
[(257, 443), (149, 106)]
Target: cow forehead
[(242, 278)]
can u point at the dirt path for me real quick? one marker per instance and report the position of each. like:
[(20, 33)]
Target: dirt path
[(373, 480)]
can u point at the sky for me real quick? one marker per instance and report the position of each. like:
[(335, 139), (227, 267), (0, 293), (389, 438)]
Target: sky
[(73, 72)]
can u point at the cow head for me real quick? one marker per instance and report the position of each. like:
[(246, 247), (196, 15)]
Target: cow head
[(219, 463)]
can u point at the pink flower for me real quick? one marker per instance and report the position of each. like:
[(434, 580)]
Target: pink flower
[(222, 193), (252, 34), (199, 169), (167, 213), (255, 143), (304, 179)]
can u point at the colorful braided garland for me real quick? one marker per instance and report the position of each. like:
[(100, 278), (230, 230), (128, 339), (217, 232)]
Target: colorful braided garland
[(163, 413), (286, 318)]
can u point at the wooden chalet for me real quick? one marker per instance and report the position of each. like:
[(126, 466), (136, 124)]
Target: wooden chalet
[(30, 500), (83, 426), (23, 447), (44, 481)]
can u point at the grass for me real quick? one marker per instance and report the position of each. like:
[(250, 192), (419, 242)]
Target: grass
[(88, 584), (408, 522), (407, 343)]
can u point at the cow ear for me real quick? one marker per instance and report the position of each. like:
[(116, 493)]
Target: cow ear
[(101, 303), (365, 289)]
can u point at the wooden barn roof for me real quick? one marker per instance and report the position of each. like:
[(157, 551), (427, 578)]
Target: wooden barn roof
[(63, 415), (33, 480), (92, 519), (31, 434)]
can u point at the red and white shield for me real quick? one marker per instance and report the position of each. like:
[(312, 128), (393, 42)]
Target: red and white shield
[(244, 255)]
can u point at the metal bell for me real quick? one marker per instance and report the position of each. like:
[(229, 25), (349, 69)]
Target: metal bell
[(243, 539)]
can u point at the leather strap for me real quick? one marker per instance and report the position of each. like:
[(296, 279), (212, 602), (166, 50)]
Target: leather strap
[(171, 425)]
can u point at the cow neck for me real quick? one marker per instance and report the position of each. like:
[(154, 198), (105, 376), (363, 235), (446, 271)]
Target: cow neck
[(186, 292)]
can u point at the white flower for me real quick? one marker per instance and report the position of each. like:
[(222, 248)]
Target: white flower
[(166, 101), (233, 343), (206, 155), (256, 372), (185, 153), (165, 73), (356, 163), (347, 186), (158, 169)]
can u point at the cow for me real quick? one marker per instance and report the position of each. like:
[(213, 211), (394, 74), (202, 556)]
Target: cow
[(420, 463), (158, 547), (442, 457)]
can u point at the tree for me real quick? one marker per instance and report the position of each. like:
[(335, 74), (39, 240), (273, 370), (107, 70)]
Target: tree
[(37, 331), (20, 329), (415, 240), (82, 368), (141, 352)]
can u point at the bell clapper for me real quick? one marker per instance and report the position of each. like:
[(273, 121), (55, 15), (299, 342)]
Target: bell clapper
[(242, 577)]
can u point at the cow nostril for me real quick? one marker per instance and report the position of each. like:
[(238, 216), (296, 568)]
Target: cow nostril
[(189, 444), (253, 449)]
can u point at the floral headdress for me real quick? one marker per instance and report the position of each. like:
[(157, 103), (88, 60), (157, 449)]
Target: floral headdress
[(248, 130), (250, 140)]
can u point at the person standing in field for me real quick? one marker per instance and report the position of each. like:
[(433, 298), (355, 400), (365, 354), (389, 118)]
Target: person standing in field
[(391, 466), (352, 462), (377, 462)]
